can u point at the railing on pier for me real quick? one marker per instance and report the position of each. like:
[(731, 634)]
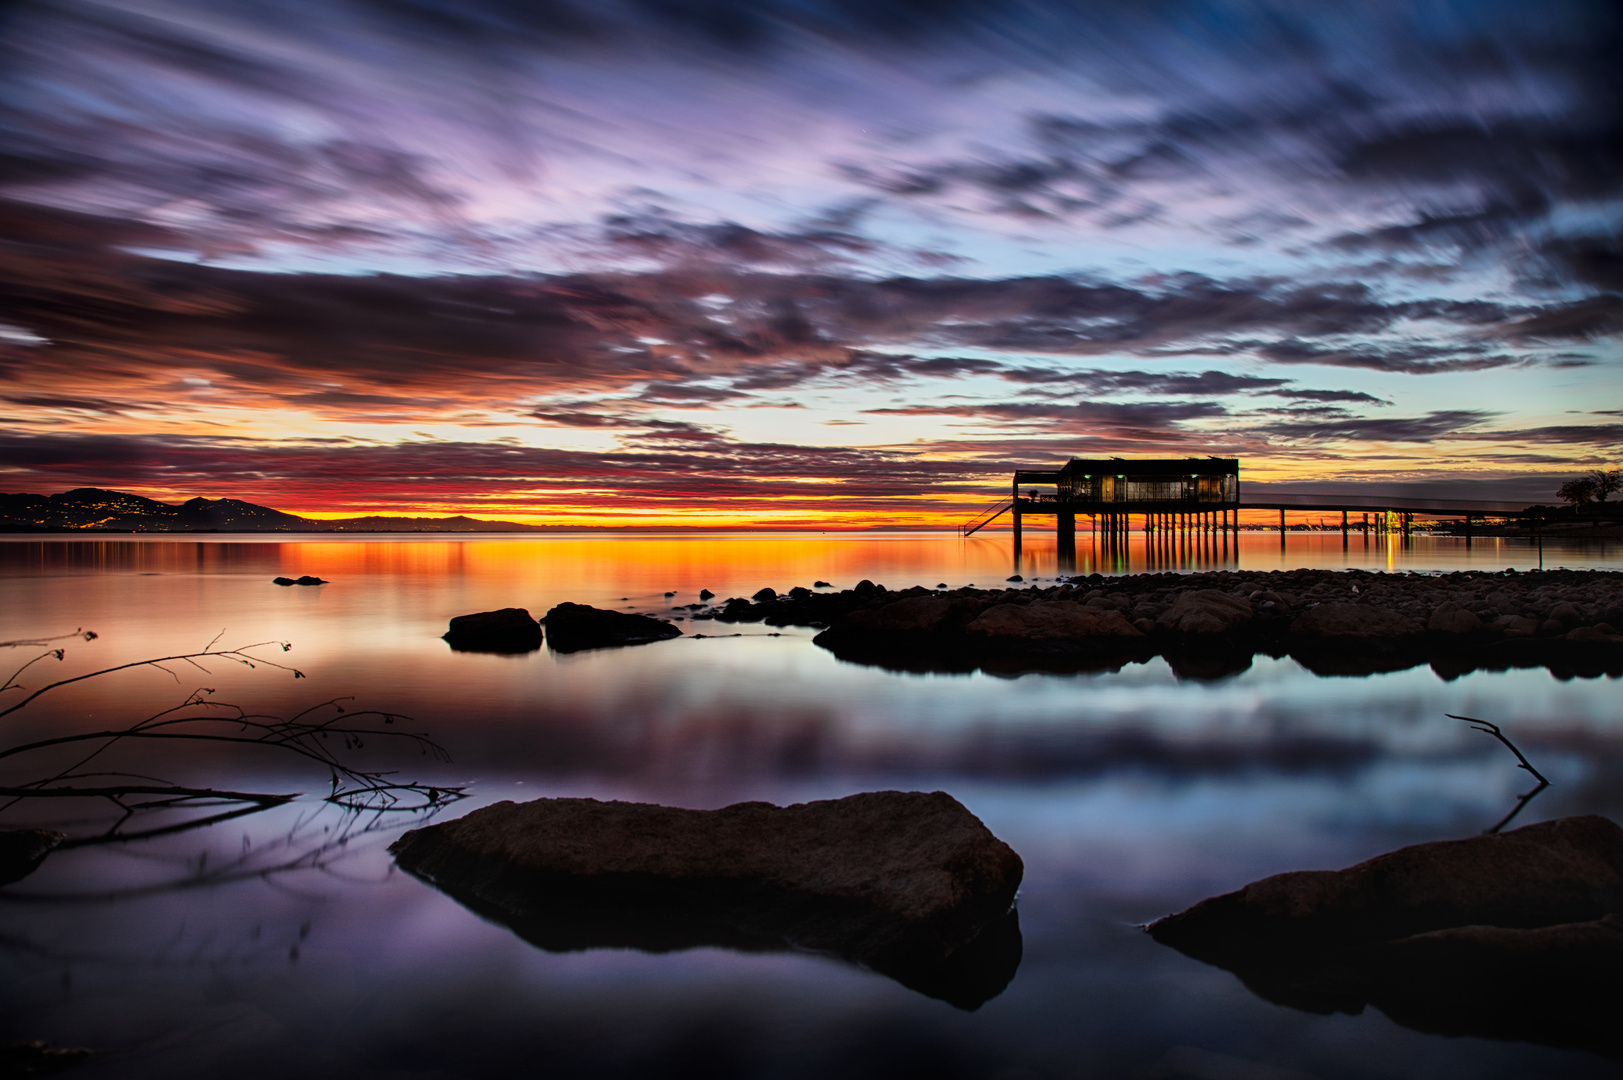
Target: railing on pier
[(985, 517)]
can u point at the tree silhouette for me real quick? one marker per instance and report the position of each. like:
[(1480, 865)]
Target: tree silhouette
[(1580, 492), (1606, 481)]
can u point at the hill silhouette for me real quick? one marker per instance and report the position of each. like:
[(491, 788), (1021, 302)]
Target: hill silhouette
[(101, 510)]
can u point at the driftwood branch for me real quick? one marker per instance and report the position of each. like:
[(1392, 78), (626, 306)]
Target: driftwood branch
[(1489, 728), (310, 734)]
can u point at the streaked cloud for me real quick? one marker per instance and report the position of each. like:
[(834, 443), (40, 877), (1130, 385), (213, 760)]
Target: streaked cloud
[(730, 235)]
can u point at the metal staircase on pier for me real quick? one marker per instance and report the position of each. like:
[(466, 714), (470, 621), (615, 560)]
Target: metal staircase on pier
[(985, 517)]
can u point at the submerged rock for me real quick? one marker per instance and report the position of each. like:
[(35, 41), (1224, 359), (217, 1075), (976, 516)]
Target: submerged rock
[(572, 627), (907, 883), (307, 579), (508, 630), (1499, 936), (22, 850)]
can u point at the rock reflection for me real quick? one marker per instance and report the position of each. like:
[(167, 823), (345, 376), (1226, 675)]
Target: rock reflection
[(1572, 1003), (974, 974)]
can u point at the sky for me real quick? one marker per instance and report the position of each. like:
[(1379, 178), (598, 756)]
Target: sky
[(818, 263)]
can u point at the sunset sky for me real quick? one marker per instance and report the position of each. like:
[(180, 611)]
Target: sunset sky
[(820, 262)]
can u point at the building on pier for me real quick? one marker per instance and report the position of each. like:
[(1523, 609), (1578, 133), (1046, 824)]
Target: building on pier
[(1100, 485), (1176, 492)]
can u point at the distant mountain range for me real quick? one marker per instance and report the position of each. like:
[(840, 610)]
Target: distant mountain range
[(97, 509)]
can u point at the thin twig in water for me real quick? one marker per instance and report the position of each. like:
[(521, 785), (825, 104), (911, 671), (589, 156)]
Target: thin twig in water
[(1490, 728)]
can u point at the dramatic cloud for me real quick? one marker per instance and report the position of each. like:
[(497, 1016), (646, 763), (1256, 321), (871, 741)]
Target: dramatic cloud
[(729, 234)]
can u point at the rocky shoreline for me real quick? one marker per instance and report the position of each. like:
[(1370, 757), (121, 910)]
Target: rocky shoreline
[(1208, 625)]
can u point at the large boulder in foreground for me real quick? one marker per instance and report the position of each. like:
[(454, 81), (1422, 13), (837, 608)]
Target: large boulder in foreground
[(22, 850), (508, 630), (572, 627), (910, 884), (1504, 936)]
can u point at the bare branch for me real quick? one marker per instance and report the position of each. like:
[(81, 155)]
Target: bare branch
[(1489, 728), (238, 655)]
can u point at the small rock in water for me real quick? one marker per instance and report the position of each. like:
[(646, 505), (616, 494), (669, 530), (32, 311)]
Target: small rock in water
[(763, 595), (1014, 577), (706, 594), (283, 581), (572, 627), (310, 579), (509, 630), (821, 585), (670, 594), (907, 883)]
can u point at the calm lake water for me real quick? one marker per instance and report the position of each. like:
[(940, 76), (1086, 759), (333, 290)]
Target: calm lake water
[(283, 944)]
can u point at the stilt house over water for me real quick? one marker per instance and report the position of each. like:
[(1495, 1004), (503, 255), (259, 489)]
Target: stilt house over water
[(1100, 485), (1171, 493)]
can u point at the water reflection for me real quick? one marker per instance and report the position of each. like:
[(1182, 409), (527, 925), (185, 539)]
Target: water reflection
[(1573, 1003), (1129, 794), (974, 974)]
